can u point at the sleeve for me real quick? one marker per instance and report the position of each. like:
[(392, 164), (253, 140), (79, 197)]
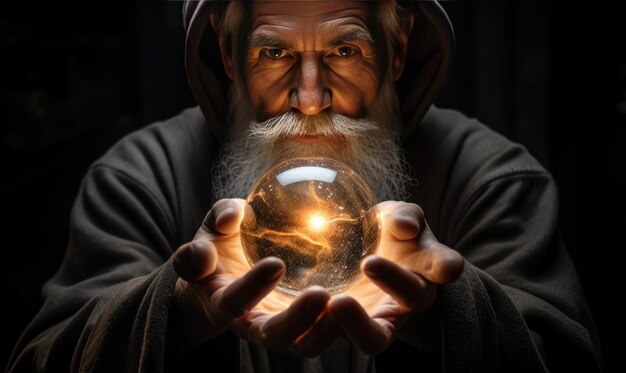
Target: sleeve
[(518, 305), (107, 308)]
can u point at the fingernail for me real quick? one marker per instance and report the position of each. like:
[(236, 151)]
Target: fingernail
[(222, 214), (406, 218), (274, 266), (367, 267), (278, 273), (370, 273)]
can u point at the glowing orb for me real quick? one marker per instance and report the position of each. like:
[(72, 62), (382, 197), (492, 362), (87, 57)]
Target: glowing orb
[(316, 215)]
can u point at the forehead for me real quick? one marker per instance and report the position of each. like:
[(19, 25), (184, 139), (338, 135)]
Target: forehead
[(308, 15)]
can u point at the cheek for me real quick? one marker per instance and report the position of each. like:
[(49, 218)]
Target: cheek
[(354, 88), (268, 91)]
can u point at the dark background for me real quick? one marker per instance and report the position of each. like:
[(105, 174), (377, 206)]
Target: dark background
[(74, 80)]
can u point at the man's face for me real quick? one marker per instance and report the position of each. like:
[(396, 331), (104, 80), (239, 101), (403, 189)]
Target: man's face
[(312, 85), (311, 56)]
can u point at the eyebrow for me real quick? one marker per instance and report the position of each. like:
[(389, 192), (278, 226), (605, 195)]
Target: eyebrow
[(262, 40), (358, 35)]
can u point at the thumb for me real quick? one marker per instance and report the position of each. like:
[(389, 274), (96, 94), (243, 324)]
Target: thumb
[(195, 260), (224, 218)]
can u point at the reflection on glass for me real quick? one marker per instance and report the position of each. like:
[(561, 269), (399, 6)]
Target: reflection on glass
[(315, 214)]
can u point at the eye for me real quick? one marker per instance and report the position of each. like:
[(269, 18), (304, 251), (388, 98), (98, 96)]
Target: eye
[(346, 51), (274, 53)]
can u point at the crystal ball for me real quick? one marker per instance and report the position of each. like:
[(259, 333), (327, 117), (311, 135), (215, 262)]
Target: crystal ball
[(316, 215)]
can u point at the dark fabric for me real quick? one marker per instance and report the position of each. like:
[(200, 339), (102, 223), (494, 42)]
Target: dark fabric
[(107, 307), (517, 306)]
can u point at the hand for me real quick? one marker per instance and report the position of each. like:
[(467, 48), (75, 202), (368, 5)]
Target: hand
[(400, 283), (217, 290)]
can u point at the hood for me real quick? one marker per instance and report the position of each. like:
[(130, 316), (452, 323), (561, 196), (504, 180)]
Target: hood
[(429, 54)]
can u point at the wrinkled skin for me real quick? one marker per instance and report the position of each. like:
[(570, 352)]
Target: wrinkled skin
[(310, 57)]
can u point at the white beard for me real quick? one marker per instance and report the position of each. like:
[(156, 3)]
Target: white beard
[(368, 146)]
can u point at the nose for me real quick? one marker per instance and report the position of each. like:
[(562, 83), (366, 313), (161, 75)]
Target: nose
[(310, 94)]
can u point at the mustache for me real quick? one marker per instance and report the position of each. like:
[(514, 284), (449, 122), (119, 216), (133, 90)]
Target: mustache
[(292, 124)]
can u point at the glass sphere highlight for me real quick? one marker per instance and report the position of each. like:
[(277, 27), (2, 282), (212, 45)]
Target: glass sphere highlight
[(316, 215)]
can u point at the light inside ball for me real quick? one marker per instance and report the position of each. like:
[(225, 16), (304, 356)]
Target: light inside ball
[(316, 215), (317, 222)]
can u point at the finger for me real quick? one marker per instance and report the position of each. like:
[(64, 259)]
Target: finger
[(406, 221), (281, 330), (432, 260), (318, 338), (406, 287), (195, 260), (435, 261), (243, 294), (224, 217), (369, 335)]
